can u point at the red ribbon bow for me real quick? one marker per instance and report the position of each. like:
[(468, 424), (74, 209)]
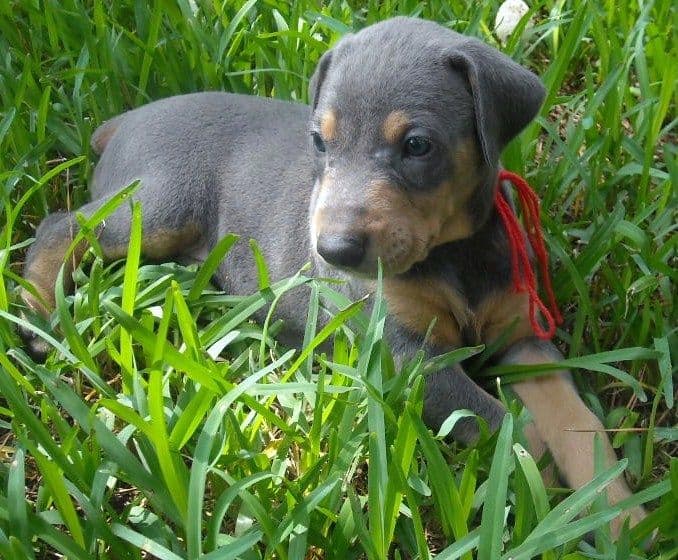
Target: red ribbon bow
[(524, 277)]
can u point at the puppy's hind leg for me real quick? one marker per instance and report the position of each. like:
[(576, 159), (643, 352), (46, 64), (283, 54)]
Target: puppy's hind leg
[(168, 229), (557, 410)]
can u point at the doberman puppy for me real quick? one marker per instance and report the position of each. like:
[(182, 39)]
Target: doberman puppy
[(396, 159)]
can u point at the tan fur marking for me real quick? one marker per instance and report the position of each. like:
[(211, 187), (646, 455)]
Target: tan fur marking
[(456, 223), (43, 271), (537, 448), (159, 243), (416, 303), (318, 221), (168, 242), (395, 125), (557, 409), (504, 313), (102, 136), (328, 125), (399, 232)]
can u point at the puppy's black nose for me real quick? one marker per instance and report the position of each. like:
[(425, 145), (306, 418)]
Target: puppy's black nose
[(347, 251)]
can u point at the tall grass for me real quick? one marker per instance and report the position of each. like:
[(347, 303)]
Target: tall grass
[(167, 424)]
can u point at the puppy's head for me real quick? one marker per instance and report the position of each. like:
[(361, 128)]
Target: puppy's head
[(408, 121)]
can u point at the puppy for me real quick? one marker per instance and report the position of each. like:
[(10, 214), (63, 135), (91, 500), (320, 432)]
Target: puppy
[(396, 159)]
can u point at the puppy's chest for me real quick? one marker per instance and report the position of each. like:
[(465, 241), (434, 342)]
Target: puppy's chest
[(418, 303)]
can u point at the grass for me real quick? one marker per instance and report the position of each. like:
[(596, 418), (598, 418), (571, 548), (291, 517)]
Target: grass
[(166, 424)]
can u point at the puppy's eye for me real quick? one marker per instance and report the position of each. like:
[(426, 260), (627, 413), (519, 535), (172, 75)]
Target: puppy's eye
[(416, 146), (318, 142)]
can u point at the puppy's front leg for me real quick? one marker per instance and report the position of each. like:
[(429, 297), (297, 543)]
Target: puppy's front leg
[(557, 410), (448, 390), (451, 389)]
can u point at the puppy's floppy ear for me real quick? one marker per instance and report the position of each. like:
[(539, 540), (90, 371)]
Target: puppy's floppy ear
[(506, 96), (318, 77)]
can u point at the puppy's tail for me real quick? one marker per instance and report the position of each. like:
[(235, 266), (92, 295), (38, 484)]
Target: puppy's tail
[(103, 134)]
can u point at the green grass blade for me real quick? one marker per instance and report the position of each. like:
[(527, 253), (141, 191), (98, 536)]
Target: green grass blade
[(235, 548), (143, 543), (172, 467), (193, 369), (574, 504), (444, 487), (54, 482), (665, 369), (492, 524), (202, 462), (460, 547), (16, 494), (534, 481), (129, 288), (211, 264)]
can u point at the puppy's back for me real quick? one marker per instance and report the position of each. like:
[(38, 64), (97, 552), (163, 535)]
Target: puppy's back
[(190, 135)]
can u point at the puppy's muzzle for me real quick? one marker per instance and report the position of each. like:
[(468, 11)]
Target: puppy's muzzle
[(342, 250)]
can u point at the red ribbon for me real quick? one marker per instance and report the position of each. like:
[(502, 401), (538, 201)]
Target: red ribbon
[(524, 277)]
